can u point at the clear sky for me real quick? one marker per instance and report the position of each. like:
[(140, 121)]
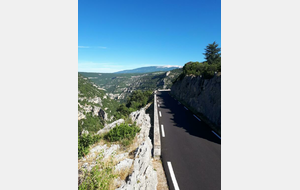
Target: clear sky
[(115, 35)]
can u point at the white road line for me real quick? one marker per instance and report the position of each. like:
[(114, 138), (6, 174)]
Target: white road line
[(216, 134), (158, 105), (196, 117), (173, 176), (186, 108), (159, 114), (162, 131)]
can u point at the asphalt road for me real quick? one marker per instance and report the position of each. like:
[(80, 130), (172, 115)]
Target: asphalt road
[(190, 147)]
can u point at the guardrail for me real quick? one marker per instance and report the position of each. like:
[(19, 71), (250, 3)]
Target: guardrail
[(157, 145)]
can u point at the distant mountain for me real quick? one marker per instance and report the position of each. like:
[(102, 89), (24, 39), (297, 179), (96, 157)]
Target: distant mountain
[(150, 69)]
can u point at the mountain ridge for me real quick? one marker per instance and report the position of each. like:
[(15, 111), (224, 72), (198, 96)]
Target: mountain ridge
[(149, 69)]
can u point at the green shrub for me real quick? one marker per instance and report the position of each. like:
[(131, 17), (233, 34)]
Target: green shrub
[(196, 68), (100, 177), (124, 133), (84, 142)]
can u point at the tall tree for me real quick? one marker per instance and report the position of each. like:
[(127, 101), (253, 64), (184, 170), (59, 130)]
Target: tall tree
[(212, 53)]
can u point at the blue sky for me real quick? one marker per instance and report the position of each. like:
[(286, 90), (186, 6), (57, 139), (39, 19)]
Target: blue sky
[(115, 35)]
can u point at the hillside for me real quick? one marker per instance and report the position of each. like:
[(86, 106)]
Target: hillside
[(119, 85), (94, 108), (108, 133), (149, 69)]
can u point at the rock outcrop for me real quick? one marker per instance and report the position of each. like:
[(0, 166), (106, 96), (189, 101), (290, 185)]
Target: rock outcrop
[(98, 151), (95, 100), (81, 116), (96, 111), (143, 120), (124, 164), (143, 175), (110, 126), (204, 95)]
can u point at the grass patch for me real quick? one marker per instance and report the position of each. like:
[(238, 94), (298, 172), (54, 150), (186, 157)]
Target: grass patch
[(100, 177), (84, 142)]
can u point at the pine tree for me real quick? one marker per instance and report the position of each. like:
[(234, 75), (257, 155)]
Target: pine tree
[(212, 53)]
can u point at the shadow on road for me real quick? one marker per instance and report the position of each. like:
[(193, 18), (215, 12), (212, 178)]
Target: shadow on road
[(184, 119)]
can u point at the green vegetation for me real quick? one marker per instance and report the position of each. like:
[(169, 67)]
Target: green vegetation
[(100, 177), (135, 101), (139, 99), (195, 68), (91, 124), (212, 54), (119, 83), (84, 142), (86, 88), (207, 68), (124, 133)]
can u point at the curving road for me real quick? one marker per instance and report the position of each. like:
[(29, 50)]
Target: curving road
[(191, 152)]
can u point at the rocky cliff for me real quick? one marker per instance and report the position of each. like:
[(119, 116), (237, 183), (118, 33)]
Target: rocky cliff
[(141, 174), (203, 95)]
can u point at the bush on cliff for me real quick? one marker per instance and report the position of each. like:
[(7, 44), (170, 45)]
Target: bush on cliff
[(204, 69), (207, 68), (84, 142), (124, 133)]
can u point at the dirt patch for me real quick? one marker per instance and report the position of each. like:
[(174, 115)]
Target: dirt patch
[(161, 177)]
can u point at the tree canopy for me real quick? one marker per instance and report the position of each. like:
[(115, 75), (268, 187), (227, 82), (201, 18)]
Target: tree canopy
[(212, 53)]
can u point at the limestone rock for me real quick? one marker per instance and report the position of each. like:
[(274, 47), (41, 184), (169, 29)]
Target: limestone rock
[(121, 156), (84, 132), (96, 100), (87, 108), (81, 116), (204, 95), (99, 152), (124, 164), (143, 121), (96, 111), (143, 175), (110, 126)]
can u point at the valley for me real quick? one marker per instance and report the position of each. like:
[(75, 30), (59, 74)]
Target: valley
[(119, 85)]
